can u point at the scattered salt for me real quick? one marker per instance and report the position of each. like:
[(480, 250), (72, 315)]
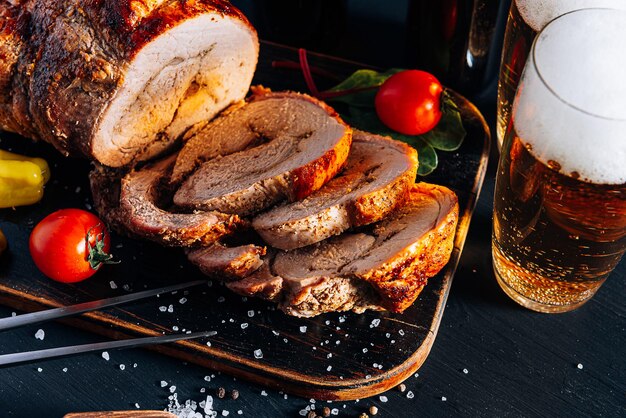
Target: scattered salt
[(163, 383), (364, 350), (137, 406), (172, 389), (329, 368), (240, 412), (401, 332), (580, 366), (105, 355), (410, 395), (175, 328), (375, 323), (122, 367), (303, 329), (250, 314), (276, 333), (163, 308), (64, 369), (170, 308), (244, 325), (225, 413), (263, 393), (465, 371), (113, 285), (334, 411), (221, 299), (39, 369), (443, 399), (258, 353), (40, 334), (383, 398)]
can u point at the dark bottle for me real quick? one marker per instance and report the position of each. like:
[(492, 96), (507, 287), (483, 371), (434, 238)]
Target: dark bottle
[(452, 39)]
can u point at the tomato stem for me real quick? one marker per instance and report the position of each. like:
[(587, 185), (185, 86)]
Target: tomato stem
[(97, 255)]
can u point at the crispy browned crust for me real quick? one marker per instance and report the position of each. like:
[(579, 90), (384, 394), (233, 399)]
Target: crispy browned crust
[(63, 60), (402, 278)]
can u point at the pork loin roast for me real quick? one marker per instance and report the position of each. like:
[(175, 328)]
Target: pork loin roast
[(382, 266), (118, 81), (304, 143), (377, 179)]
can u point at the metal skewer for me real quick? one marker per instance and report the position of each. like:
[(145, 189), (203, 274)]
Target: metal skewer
[(65, 311), (28, 356)]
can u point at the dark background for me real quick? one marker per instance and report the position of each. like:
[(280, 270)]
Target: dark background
[(519, 363)]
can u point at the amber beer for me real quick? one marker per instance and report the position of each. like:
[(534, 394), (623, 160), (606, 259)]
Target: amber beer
[(526, 19), (560, 200)]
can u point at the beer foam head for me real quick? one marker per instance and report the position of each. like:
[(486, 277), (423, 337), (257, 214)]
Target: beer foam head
[(537, 13), (571, 104)]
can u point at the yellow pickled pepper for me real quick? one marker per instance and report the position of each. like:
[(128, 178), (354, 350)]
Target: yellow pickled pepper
[(21, 179)]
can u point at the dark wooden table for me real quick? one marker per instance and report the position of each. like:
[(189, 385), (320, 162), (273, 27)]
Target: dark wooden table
[(491, 358)]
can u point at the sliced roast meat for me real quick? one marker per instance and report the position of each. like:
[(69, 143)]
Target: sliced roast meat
[(119, 81), (140, 214), (227, 262), (377, 179), (307, 144), (384, 266)]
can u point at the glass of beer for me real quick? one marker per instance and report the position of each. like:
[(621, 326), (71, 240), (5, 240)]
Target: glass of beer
[(559, 224), (526, 19)]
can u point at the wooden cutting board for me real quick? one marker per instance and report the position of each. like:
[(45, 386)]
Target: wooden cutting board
[(334, 356)]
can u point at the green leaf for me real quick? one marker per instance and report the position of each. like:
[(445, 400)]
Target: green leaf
[(362, 79), (449, 133), (359, 111)]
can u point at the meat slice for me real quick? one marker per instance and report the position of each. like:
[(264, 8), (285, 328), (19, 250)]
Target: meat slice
[(383, 266), (140, 214), (119, 81), (227, 262), (377, 179), (307, 144)]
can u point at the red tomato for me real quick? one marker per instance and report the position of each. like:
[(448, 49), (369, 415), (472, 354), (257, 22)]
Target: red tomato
[(409, 102), (69, 245)]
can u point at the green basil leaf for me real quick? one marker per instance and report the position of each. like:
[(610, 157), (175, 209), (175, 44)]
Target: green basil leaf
[(362, 79), (449, 133)]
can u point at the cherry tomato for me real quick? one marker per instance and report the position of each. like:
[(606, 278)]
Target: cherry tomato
[(69, 245), (409, 102)]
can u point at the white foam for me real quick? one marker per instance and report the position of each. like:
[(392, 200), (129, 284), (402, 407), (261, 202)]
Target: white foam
[(582, 57), (537, 13)]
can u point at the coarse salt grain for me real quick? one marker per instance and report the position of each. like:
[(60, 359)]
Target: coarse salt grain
[(401, 332), (105, 355), (182, 301), (40, 334), (334, 411), (137, 406), (240, 412), (113, 285), (465, 371), (258, 353), (443, 399), (163, 383), (329, 368), (172, 389), (39, 369), (375, 323), (250, 314), (244, 325), (225, 413), (263, 393), (64, 369), (170, 308), (383, 398), (580, 366), (410, 395), (122, 367), (303, 329), (162, 308)]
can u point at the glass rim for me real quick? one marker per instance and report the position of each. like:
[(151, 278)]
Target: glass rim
[(543, 80)]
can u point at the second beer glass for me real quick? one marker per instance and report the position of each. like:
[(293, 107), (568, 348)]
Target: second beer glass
[(560, 201)]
